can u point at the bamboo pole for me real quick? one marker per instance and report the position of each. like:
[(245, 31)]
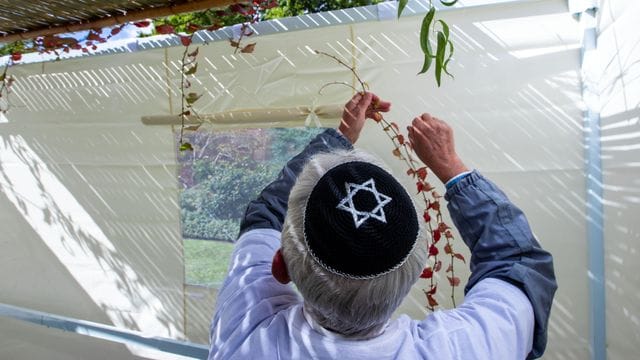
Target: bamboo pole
[(116, 20)]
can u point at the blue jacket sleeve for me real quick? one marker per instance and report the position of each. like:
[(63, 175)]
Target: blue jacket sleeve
[(503, 247), (269, 209)]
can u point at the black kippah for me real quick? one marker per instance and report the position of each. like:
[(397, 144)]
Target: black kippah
[(360, 222)]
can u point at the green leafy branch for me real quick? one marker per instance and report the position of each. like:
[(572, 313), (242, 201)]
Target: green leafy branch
[(444, 46)]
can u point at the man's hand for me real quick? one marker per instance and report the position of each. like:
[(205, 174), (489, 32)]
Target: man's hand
[(360, 107), (432, 140)]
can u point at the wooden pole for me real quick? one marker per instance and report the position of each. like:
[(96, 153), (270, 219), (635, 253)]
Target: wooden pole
[(116, 20)]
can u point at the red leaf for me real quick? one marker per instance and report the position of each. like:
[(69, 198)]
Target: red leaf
[(271, 4), (433, 250), (432, 290), (437, 266), (234, 43), (66, 49), (94, 36), (165, 29), (450, 268), (16, 56), (448, 234), (377, 117), (410, 172), (432, 302), (85, 50), (435, 205), (442, 227), (213, 27), (396, 152), (459, 256), (427, 273), (395, 126), (94, 47), (422, 173), (454, 281), (426, 216), (142, 24), (419, 185), (248, 48), (194, 53), (447, 249), (193, 28), (185, 40), (115, 31), (436, 237)]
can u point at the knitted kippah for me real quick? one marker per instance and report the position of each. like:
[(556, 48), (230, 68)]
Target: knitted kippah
[(360, 222)]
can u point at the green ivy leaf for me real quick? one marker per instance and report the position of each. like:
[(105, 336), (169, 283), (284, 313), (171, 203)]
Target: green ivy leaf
[(192, 70), (424, 32), (401, 5), (448, 3), (440, 52), (186, 146)]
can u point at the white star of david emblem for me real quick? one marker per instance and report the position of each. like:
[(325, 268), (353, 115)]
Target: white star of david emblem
[(359, 217)]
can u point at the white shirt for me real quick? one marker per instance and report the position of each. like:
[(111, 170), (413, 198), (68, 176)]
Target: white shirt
[(258, 318)]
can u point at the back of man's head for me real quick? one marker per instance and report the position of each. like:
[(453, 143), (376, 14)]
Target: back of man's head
[(352, 242)]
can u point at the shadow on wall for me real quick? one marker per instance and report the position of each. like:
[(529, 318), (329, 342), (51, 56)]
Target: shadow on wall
[(619, 85), (78, 242)]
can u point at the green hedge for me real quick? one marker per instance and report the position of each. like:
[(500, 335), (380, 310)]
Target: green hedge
[(217, 191)]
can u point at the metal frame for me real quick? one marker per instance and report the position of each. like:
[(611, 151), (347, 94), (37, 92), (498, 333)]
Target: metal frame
[(586, 12), (106, 332)]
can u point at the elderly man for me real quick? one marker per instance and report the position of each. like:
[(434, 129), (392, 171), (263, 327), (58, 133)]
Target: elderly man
[(340, 227)]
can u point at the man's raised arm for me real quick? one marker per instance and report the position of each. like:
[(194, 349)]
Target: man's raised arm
[(495, 230)]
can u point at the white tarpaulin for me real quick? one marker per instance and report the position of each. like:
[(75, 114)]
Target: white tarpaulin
[(88, 171)]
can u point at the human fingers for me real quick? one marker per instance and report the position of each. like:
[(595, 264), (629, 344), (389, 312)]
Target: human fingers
[(365, 100), (355, 100), (423, 123), (426, 117), (380, 105), (416, 134)]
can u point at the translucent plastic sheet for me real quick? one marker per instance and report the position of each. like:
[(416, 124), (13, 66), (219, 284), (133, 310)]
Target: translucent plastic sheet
[(89, 193)]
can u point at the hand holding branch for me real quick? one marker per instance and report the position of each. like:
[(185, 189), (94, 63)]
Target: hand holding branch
[(357, 110), (432, 140)]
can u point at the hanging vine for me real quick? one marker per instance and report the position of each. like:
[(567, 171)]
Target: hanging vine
[(432, 214)]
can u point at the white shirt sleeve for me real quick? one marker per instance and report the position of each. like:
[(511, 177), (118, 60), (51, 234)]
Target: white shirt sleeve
[(250, 293), (495, 321)]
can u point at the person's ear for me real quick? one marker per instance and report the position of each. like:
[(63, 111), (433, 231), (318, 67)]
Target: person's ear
[(279, 268)]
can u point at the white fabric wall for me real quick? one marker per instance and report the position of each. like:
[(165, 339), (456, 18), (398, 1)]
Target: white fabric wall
[(619, 87), (89, 200), (88, 193)]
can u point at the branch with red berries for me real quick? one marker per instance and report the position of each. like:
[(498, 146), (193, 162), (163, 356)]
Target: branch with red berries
[(432, 214)]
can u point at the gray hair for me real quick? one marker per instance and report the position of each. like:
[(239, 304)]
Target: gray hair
[(356, 308)]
